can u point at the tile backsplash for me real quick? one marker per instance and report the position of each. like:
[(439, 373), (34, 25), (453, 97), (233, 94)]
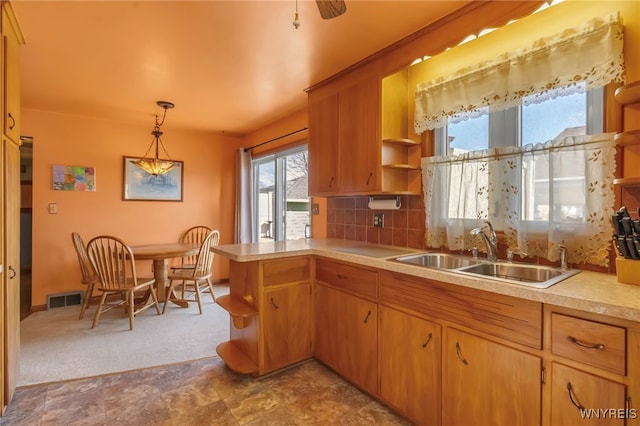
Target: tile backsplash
[(350, 218)]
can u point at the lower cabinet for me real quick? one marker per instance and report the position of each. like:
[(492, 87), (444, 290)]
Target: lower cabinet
[(487, 383), (347, 335), (578, 398), (410, 365), (287, 325)]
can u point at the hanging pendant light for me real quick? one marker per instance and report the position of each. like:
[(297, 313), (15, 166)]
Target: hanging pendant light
[(154, 165)]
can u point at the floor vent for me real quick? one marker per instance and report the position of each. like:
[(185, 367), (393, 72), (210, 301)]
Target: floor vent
[(64, 299)]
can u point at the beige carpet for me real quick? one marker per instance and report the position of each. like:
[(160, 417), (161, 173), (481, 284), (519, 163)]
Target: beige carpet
[(56, 346)]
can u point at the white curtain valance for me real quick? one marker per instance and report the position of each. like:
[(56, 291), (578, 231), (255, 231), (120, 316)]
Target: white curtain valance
[(574, 60)]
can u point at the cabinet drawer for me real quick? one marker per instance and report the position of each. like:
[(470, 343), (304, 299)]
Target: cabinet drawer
[(507, 317), (351, 278), (286, 271), (589, 342)]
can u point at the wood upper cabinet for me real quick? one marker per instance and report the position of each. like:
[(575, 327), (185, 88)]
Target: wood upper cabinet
[(410, 365), (323, 145), (359, 137), (487, 383), (11, 40), (344, 138)]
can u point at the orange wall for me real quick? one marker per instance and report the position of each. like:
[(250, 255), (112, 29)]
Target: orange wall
[(70, 140)]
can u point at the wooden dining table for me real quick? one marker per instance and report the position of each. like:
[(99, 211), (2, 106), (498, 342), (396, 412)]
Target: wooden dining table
[(160, 255)]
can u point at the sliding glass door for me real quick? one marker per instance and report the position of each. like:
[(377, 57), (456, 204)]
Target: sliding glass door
[(280, 196)]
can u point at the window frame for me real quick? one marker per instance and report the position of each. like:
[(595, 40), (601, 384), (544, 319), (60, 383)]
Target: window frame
[(280, 186), (506, 125)]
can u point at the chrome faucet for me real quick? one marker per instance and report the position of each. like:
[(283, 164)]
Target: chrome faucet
[(491, 241), (563, 256)]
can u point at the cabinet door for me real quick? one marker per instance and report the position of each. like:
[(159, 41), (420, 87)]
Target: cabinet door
[(579, 398), (12, 78), (359, 136), (488, 383), (323, 146), (346, 336), (11, 283), (287, 325), (410, 365)]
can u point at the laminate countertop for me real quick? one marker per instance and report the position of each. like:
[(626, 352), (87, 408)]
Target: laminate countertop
[(588, 291)]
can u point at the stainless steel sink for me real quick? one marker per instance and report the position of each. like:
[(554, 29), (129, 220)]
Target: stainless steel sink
[(438, 260), (529, 275)]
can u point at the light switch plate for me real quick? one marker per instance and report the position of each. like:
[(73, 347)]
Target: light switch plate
[(53, 208), (315, 208)]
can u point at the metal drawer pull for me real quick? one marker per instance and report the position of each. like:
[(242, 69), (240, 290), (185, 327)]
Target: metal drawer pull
[(367, 317), (586, 345), (13, 273), (369, 178), (274, 304), (342, 277), (13, 122), (574, 401), (459, 353), (331, 182), (424, 345)]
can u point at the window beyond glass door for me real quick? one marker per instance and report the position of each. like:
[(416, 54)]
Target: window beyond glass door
[(280, 196)]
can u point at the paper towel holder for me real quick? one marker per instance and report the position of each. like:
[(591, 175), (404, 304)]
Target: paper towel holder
[(397, 201)]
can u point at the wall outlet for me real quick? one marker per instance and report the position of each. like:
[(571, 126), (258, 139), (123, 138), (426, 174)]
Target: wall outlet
[(378, 220)]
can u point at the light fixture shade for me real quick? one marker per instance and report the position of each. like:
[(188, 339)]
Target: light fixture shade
[(155, 166)]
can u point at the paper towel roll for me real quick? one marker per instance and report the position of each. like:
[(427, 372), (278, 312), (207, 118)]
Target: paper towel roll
[(391, 204)]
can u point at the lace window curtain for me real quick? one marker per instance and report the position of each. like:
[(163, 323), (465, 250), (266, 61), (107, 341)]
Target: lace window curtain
[(591, 54), (559, 192)]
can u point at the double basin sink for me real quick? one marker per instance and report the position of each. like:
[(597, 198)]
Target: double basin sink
[(529, 275)]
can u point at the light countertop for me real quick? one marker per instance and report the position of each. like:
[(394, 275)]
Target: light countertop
[(587, 291)]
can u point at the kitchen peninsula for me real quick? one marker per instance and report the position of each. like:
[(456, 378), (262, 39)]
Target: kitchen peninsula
[(426, 341)]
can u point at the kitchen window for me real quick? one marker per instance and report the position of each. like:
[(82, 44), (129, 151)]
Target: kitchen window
[(279, 193), (521, 145), (579, 113)]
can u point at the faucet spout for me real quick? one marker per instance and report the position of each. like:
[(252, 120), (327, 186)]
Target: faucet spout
[(491, 241)]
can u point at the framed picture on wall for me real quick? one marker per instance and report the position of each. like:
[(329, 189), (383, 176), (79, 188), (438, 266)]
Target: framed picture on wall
[(139, 185)]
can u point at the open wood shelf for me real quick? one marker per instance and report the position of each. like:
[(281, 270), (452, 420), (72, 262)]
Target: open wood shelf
[(627, 182), (235, 359), (632, 137), (628, 94), (235, 306), (401, 166), (401, 141)]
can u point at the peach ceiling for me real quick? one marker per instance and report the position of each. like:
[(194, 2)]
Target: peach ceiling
[(230, 66)]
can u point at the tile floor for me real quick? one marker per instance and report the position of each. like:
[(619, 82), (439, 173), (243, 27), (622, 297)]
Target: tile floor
[(202, 392)]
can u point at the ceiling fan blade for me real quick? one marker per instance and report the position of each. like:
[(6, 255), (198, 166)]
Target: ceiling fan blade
[(331, 8)]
